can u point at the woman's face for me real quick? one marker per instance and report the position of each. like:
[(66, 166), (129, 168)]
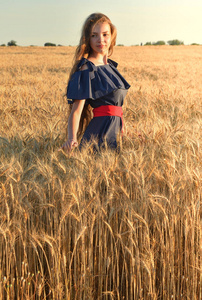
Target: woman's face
[(100, 39)]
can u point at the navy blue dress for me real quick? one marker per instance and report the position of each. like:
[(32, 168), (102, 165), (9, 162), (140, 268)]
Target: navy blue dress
[(99, 85)]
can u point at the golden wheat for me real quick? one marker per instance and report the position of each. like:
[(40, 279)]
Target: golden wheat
[(109, 225)]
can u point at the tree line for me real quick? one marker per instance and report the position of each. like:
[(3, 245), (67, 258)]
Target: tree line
[(14, 43), (171, 43)]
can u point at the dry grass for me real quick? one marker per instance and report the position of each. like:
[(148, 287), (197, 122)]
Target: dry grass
[(105, 226)]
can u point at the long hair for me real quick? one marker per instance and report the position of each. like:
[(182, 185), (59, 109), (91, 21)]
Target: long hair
[(83, 50)]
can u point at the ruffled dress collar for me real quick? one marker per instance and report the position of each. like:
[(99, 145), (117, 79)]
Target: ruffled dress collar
[(95, 81), (84, 61)]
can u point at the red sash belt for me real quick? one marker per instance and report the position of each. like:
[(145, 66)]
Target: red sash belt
[(108, 110)]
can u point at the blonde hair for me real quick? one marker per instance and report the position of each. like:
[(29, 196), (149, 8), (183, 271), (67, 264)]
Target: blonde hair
[(83, 50)]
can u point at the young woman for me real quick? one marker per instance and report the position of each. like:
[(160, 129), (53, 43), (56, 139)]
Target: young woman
[(95, 83)]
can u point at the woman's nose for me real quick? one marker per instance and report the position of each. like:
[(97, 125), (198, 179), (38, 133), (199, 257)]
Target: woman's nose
[(100, 38)]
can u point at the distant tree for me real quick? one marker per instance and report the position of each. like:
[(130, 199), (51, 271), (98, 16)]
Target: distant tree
[(3, 45), (49, 45), (175, 42), (148, 44), (120, 45), (159, 43), (12, 43), (194, 44)]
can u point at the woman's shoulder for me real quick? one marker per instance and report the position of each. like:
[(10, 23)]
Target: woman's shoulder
[(112, 62), (82, 64)]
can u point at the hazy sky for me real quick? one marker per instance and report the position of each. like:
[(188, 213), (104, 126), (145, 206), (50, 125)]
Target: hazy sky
[(35, 22)]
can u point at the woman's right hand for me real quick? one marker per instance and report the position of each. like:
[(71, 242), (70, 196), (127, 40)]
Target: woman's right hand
[(73, 125), (69, 145)]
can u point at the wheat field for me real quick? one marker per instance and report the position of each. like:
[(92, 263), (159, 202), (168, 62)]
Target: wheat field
[(109, 225)]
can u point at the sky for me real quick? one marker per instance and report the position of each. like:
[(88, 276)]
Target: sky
[(35, 22)]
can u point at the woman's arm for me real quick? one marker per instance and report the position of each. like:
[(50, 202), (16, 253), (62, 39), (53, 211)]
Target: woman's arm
[(73, 125)]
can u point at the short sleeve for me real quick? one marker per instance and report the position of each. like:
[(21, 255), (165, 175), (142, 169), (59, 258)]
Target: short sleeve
[(95, 81)]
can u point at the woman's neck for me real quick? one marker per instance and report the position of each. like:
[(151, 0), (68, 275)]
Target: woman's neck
[(98, 59)]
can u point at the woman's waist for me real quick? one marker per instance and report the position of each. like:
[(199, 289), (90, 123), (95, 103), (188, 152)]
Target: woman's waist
[(108, 110)]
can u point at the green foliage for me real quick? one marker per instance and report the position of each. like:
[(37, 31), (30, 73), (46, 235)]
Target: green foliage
[(148, 44), (159, 43), (3, 45), (12, 43), (175, 42), (49, 45)]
